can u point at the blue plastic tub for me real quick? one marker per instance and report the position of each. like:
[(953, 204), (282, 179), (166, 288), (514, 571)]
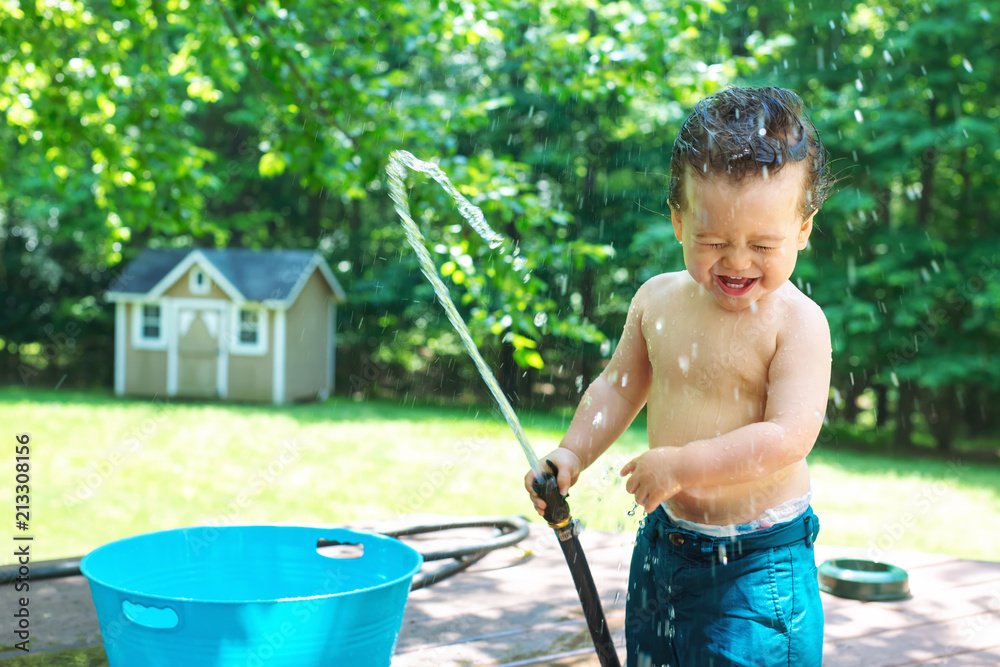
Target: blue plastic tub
[(250, 596)]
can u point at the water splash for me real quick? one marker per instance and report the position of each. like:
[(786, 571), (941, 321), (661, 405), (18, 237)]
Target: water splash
[(399, 162), (684, 362)]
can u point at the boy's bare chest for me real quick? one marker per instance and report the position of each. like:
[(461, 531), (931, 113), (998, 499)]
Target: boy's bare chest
[(705, 352)]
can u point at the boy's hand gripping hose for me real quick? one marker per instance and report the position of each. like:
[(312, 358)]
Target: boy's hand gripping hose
[(567, 529)]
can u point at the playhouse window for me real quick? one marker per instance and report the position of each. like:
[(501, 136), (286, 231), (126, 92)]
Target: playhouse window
[(249, 327), (151, 322), (198, 282)]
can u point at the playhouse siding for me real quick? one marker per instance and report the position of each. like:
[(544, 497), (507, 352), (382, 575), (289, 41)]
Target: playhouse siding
[(306, 341), (145, 370), (199, 352), (181, 289), (251, 376)]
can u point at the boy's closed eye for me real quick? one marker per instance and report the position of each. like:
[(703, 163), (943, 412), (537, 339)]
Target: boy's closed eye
[(758, 248)]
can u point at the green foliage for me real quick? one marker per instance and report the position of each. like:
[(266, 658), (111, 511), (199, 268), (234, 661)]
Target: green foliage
[(260, 123), (905, 258)]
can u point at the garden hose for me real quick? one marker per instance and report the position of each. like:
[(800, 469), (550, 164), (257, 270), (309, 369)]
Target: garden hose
[(511, 529), (567, 529)]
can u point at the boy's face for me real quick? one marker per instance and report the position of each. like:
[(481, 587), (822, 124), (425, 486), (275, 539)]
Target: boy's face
[(741, 240)]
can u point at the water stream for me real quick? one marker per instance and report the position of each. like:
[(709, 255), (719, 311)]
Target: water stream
[(399, 162)]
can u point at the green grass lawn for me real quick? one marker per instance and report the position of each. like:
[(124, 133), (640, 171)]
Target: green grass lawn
[(104, 468)]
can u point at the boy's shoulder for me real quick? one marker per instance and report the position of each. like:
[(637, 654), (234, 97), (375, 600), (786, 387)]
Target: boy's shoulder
[(799, 309), (664, 284)]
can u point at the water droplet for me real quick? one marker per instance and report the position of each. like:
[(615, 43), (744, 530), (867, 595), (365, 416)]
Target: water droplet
[(966, 64), (605, 347), (895, 380), (753, 306), (858, 116), (598, 419), (694, 351), (520, 263), (624, 379), (540, 319), (579, 383), (659, 325), (684, 363)]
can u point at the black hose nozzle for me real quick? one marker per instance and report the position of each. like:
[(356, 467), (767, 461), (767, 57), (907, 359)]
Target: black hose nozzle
[(556, 512)]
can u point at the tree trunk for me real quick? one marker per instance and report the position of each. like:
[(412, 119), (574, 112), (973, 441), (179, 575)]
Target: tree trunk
[(903, 436), (973, 413), (942, 420), (881, 405), (851, 409)]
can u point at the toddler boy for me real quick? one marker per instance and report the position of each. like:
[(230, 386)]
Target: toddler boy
[(732, 362)]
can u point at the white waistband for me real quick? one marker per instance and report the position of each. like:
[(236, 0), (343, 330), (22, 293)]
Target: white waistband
[(786, 511)]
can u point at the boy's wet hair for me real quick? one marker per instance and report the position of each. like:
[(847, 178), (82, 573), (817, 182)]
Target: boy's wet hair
[(744, 133)]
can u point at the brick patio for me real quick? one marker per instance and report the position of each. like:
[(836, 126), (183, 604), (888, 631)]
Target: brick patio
[(518, 606)]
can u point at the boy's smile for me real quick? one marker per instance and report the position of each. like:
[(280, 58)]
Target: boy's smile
[(741, 240), (734, 286)]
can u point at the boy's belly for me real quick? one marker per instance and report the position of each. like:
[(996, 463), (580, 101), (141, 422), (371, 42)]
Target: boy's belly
[(741, 503), (686, 415)]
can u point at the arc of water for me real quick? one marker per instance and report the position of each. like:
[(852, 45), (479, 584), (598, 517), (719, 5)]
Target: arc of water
[(399, 162)]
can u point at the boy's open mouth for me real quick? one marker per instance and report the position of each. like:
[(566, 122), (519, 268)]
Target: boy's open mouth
[(733, 286)]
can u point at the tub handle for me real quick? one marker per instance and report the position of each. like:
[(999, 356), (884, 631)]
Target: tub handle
[(339, 550), (156, 618)]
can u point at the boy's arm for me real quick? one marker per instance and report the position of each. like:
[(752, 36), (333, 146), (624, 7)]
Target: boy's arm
[(798, 389), (613, 400)]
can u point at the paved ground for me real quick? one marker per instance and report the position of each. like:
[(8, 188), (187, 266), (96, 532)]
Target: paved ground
[(518, 606)]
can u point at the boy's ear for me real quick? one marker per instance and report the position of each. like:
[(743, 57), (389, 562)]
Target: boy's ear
[(675, 218), (804, 231)]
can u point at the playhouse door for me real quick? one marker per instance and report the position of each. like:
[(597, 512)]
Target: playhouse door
[(198, 352)]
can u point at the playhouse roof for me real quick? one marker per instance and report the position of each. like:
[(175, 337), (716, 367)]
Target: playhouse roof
[(274, 277)]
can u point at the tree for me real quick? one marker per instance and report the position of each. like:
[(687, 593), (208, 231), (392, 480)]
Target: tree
[(260, 124), (905, 250)]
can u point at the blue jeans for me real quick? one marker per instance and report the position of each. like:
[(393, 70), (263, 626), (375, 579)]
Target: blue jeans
[(747, 601)]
